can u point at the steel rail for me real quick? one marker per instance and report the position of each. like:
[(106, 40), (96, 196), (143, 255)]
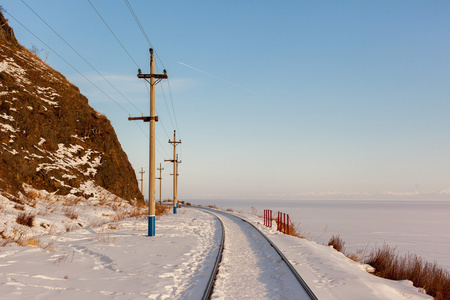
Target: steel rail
[(307, 289), (209, 288)]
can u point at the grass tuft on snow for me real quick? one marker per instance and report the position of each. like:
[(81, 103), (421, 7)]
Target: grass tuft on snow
[(389, 264)]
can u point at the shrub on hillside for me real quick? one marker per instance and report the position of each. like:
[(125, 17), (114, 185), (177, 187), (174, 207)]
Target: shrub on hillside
[(70, 212), (161, 209), (25, 219), (336, 242), (388, 264), (295, 230)]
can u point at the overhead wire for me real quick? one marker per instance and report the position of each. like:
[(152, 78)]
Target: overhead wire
[(123, 47), (137, 22), (87, 62), (130, 8), (121, 44), (167, 107), (162, 124), (84, 59), (73, 67)]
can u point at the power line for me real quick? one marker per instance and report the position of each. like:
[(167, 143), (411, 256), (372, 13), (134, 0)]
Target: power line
[(162, 147), (164, 128), (81, 56), (106, 24), (136, 19), (168, 111), (138, 23), (113, 34), (173, 108), (146, 136), (67, 63)]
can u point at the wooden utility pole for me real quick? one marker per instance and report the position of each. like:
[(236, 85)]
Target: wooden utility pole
[(160, 181), (150, 78), (142, 181), (175, 170)]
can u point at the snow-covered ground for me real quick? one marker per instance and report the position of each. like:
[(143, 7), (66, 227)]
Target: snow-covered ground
[(331, 275), (118, 261)]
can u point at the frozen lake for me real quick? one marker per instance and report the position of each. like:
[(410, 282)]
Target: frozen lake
[(419, 227)]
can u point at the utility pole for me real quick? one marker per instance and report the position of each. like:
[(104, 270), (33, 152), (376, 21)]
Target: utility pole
[(152, 119), (175, 180), (142, 181), (175, 169), (160, 181)]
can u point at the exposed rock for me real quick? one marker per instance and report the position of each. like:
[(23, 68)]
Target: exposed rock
[(50, 138), (6, 32)]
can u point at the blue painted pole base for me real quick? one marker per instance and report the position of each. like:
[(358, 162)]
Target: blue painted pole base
[(151, 226), (175, 210)]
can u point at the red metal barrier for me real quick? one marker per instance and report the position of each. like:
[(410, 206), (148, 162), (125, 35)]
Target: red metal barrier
[(283, 223), (268, 218)]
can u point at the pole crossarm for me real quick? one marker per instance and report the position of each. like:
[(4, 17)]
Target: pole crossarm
[(158, 78), (145, 119)]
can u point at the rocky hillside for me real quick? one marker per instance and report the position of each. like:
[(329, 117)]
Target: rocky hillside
[(50, 138)]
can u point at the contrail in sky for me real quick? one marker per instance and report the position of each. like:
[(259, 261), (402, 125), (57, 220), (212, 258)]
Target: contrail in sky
[(218, 78)]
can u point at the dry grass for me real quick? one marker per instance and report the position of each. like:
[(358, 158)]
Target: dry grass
[(26, 219), (120, 215), (32, 241), (70, 212), (336, 242), (19, 207), (389, 264), (161, 210), (105, 238), (113, 226), (255, 211), (64, 258), (294, 230), (72, 201), (48, 247), (358, 256), (17, 234)]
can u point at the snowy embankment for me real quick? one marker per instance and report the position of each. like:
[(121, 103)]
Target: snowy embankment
[(331, 275), (117, 260)]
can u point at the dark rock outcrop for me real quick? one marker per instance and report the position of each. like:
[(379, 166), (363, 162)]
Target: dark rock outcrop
[(50, 138), (6, 32)]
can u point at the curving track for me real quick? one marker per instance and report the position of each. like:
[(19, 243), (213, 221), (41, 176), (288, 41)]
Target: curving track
[(251, 266)]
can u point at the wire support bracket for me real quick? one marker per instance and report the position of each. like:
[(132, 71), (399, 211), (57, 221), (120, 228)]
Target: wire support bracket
[(145, 119), (158, 77)]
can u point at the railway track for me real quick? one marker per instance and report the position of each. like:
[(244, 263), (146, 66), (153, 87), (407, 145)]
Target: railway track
[(252, 265)]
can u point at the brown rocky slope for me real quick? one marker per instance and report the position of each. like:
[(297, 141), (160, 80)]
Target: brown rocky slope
[(50, 138)]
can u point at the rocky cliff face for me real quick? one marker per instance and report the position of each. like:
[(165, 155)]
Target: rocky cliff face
[(50, 138)]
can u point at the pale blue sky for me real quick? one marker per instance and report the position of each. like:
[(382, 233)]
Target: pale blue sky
[(282, 99)]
